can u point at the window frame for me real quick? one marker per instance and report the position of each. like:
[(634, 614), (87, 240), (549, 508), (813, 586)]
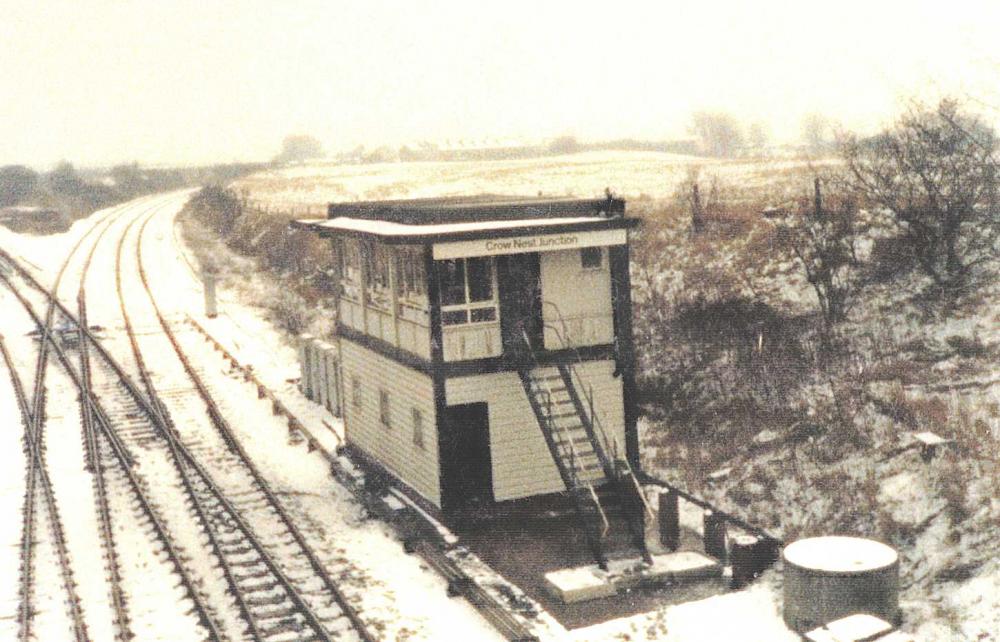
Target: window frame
[(469, 306), (350, 269), (600, 258), (417, 420), (384, 408), (356, 396), (411, 280), (377, 260)]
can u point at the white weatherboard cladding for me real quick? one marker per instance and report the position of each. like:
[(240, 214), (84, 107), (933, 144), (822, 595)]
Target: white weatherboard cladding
[(522, 464), (414, 336), (532, 243), (475, 341), (576, 301), (391, 446)]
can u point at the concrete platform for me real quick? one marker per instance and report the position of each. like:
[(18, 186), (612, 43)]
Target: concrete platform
[(538, 536), (589, 582), (572, 585)]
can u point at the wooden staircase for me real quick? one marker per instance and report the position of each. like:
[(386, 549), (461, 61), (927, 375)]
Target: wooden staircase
[(605, 494)]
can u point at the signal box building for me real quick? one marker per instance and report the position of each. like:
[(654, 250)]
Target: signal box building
[(486, 346)]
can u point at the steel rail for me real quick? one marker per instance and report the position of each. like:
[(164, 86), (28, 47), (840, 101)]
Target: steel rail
[(123, 457), (118, 601), (34, 418), (177, 458), (37, 470), (228, 437), (25, 608)]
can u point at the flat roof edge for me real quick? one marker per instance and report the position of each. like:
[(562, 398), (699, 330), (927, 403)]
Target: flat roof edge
[(320, 227)]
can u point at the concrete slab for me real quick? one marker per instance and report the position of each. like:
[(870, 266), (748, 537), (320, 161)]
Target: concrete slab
[(540, 535), (858, 627), (682, 566), (581, 583), (571, 585)]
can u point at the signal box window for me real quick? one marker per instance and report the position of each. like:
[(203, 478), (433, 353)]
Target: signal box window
[(383, 408), (468, 290), (356, 391), (418, 429), (590, 258)]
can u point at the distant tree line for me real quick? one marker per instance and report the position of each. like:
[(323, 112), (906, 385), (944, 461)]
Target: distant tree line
[(75, 193)]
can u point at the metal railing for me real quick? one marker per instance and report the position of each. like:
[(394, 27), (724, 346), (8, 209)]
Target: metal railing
[(567, 441), (610, 445)]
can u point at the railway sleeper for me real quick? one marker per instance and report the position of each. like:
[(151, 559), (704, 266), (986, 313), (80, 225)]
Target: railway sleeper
[(285, 611), (255, 575), (269, 600), (250, 587), (285, 625), (253, 562), (237, 548)]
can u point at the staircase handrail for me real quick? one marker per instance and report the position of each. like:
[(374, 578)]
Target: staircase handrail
[(588, 392), (563, 337), (600, 510), (552, 424), (638, 487), (568, 442)]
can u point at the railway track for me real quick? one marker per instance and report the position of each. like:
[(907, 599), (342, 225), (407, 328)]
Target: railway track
[(311, 598), (277, 587), (113, 477), (38, 484), (33, 418), (281, 589)]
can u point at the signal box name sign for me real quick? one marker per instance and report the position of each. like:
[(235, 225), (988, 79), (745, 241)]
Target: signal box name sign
[(524, 244)]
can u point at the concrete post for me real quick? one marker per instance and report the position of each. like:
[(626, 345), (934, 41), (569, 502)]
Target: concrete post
[(670, 529), (208, 279), (715, 535)]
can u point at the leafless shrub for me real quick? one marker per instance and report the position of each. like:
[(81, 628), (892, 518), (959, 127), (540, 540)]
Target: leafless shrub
[(935, 172)]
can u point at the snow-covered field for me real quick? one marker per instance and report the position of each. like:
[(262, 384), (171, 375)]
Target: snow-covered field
[(585, 175)]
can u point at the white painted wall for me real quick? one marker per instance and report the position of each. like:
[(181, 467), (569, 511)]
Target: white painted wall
[(475, 341), (392, 446), (522, 464), (577, 307)]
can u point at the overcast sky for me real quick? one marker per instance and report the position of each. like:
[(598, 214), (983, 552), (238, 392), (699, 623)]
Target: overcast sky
[(191, 81)]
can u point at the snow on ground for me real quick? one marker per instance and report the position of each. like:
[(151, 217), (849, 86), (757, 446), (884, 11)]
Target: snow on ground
[(393, 588), (241, 328), (12, 488), (586, 174), (406, 600), (750, 615)]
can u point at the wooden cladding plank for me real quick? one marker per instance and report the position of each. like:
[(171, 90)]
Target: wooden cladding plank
[(391, 445)]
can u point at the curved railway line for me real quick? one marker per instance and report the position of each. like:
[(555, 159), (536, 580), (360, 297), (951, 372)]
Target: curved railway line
[(259, 578)]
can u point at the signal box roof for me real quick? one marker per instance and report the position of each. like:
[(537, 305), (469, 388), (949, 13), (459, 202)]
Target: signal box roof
[(468, 217)]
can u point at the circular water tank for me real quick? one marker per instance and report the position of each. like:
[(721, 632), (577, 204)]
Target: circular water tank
[(826, 578)]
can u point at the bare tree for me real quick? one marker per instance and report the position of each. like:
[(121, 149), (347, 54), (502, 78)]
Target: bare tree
[(822, 239), (757, 139), (720, 133), (935, 172), (297, 148), (817, 133)]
